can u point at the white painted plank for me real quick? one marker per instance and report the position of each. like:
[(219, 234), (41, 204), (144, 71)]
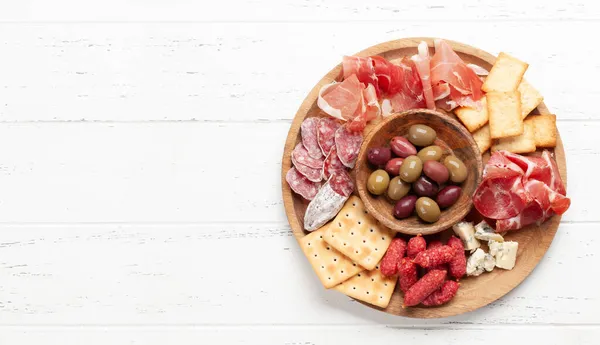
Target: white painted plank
[(548, 335), (239, 274), (183, 172), (290, 10), (248, 72)]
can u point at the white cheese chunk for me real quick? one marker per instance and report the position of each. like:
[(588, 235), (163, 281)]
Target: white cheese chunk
[(505, 253), (475, 263), (489, 262), (466, 232), (485, 232)]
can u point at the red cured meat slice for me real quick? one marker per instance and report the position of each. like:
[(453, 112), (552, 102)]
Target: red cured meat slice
[(326, 129), (308, 130), (409, 90), (441, 91), (341, 183), (531, 214), (347, 144), (422, 63), (362, 68), (447, 66), (371, 110), (300, 154), (556, 182), (314, 175), (301, 185), (332, 164), (500, 197), (383, 73), (342, 100)]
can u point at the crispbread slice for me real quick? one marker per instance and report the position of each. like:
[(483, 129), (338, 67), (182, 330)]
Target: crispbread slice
[(523, 143), (358, 235), (482, 138), (544, 128), (505, 75), (473, 118), (530, 98), (331, 266), (504, 109), (369, 286)]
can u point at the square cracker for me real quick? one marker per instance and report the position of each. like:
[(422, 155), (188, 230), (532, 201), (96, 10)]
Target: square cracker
[(504, 109), (523, 143), (473, 118), (369, 286), (544, 128), (358, 235), (530, 98), (505, 75), (482, 138), (331, 266)]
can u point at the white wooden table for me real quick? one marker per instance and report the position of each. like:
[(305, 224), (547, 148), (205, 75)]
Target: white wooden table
[(140, 149)]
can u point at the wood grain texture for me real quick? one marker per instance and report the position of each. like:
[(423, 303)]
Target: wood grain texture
[(475, 292), (452, 137)]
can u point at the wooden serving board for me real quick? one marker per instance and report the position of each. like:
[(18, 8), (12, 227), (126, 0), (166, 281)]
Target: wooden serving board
[(474, 292)]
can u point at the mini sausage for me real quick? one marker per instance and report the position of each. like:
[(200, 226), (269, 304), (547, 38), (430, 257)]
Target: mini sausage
[(407, 274), (415, 245), (393, 256), (436, 244), (436, 256), (430, 282), (442, 295), (458, 264)]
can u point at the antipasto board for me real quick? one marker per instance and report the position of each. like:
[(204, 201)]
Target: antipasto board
[(358, 275)]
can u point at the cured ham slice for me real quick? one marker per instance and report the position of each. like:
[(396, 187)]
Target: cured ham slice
[(555, 183), (371, 110), (363, 68), (441, 91), (422, 63), (448, 67), (500, 197), (410, 94), (341, 100)]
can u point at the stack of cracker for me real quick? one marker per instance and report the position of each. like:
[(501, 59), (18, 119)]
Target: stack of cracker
[(503, 122), (345, 254)]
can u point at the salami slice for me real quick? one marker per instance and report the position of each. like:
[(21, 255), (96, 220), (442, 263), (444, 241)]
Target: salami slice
[(341, 183), (313, 175), (308, 129), (347, 144), (326, 129), (326, 204), (301, 185), (300, 154), (332, 164)]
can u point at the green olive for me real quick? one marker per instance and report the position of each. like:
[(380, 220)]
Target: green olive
[(397, 188), (430, 153), (458, 170), (378, 182), (421, 135), (428, 210), (411, 168)]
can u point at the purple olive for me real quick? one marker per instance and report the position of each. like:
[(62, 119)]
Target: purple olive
[(436, 171), (448, 196), (425, 187), (402, 147), (405, 206), (393, 166), (379, 156)]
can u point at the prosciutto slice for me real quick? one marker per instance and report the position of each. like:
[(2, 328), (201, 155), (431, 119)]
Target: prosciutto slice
[(518, 191), (448, 67), (422, 63), (363, 68), (370, 110), (342, 100)]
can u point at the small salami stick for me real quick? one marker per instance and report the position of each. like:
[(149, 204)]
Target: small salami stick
[(434, 257), (442, 295), (458, 265), (393, 256), (407, 274), (436, 244), (415, 245), (430, 282)]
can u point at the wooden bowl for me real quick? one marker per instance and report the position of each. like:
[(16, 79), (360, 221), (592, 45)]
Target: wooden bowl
[(452, 137)]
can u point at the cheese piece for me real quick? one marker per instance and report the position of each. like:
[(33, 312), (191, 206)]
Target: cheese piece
[(475, 263), (505, 253), (489, 262), (484, 232), (466, 232)]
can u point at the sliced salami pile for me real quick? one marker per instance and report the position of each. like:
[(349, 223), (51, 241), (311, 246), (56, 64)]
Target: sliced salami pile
[(326, 148), (518, 191)]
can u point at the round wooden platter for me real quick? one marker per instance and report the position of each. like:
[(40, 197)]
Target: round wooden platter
[(474, 292)]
